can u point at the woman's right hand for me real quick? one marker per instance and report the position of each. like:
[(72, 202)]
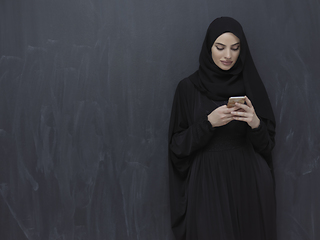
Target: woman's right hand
[(221, 116)]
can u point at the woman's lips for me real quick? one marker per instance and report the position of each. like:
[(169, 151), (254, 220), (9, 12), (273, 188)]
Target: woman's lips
[(226, 63)]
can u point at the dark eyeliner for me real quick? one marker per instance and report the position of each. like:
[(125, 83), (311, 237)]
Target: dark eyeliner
[(220, 49)]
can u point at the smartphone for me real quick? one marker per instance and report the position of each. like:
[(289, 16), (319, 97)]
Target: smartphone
[(233, 100)]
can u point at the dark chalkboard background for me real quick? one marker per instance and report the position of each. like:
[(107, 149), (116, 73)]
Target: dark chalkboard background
[(86, 88)]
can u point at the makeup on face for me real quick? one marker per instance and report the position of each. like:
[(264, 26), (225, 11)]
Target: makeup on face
[(225, 50)]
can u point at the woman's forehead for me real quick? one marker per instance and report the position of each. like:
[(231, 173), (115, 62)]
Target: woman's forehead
[(228, 38)]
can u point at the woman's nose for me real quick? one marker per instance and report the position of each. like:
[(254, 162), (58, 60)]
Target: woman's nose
[(228, 54)]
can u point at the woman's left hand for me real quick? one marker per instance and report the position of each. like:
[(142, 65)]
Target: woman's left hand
[(247, 114)]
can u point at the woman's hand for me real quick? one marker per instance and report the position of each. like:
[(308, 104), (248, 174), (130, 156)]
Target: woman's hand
[(221, 116), (247, 114)]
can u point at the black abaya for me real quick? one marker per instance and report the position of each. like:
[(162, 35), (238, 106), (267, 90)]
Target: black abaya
[(221, 188), (221, 184)]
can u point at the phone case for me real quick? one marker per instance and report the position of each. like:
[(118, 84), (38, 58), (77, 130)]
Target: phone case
[(232, 101)]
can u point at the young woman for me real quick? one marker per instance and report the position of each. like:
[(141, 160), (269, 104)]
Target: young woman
[(221, 183)]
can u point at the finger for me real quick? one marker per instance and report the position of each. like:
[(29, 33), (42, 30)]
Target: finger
[(236, 108), (224, 109), (248, 101), (243, 106), (243, 119), (242, 115), (227, 116), (229, 110)]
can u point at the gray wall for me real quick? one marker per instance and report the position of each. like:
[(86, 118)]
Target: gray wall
[(86, 88)]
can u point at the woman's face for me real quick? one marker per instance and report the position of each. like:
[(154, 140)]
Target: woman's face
[(225, 50)]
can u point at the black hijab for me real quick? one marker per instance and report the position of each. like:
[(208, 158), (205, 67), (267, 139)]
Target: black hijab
[(241, 79)]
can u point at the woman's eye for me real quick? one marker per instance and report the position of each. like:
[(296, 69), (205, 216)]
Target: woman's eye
[(235, 49), (219, 48)]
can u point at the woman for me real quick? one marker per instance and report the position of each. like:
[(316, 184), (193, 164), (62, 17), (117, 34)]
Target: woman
[(221, 184)]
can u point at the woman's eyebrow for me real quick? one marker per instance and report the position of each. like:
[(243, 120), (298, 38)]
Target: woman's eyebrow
[(231, 45)]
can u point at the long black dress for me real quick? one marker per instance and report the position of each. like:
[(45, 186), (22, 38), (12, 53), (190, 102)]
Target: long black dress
[(221, 186)]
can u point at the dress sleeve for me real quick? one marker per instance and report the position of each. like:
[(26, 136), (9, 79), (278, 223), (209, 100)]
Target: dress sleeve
[(187, 141), (187, 136), (263, 137)]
